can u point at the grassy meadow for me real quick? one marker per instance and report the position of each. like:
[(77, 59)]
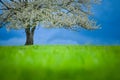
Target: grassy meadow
[(60, 62)]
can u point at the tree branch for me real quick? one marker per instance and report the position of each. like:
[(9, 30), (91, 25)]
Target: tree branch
[(14, 1), (32, 30), (4, 4), (3, 9), (27, 30), (5, 19)]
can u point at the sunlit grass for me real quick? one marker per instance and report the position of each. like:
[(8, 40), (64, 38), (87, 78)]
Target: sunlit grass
[(60, 62)]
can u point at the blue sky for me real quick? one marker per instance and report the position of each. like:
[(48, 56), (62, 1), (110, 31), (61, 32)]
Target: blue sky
[(107, 14)]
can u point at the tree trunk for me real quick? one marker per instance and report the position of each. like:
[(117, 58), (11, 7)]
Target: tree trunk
[(29, 36)]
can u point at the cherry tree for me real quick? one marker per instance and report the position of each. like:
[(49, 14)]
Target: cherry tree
[(27, 14)]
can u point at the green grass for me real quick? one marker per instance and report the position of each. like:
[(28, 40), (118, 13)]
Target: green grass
[(55, 62)]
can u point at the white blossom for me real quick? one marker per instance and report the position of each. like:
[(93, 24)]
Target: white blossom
[(50, 13)]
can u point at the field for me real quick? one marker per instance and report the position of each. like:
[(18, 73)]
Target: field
[(60, 62)]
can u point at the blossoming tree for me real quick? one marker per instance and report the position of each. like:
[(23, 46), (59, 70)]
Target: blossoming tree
[(27, 14)]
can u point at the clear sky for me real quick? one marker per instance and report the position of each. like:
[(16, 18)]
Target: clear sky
[(107, 14)]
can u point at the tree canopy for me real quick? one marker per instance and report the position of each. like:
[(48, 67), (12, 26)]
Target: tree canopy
[(27, 14), (19, 14)]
